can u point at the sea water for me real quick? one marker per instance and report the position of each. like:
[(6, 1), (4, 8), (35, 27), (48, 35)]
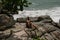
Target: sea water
[(41, 7)]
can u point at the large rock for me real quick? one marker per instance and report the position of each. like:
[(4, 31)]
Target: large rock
[(19, 36), (23, 20), (5, 21), (5, 35), (44, 18), (45, 29)]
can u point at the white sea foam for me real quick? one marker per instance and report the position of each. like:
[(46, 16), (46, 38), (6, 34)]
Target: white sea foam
[(54, 13)]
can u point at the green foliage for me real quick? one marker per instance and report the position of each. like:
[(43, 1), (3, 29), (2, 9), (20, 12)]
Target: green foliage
[(12, 5), (38, 38)]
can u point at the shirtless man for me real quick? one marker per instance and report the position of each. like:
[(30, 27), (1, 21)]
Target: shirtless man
[(28, 23)]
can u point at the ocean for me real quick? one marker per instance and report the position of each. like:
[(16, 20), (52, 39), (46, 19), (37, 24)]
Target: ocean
[(41, 7)]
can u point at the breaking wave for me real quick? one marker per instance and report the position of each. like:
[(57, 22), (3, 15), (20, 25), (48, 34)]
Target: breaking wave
[(54, 13)]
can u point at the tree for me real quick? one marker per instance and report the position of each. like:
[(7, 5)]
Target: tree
[(14, 5), (24, 3)]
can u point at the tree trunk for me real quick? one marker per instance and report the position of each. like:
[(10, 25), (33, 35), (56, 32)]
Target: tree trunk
[(21, 7)]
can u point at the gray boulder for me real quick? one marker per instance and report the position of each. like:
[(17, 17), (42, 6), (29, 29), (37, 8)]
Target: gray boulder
[(44, 18), (6, 21), (23, 20)]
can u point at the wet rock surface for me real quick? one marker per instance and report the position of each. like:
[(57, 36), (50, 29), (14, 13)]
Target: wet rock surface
[(45, 29)]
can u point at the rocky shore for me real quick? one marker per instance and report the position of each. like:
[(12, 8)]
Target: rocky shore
[(43, 28)]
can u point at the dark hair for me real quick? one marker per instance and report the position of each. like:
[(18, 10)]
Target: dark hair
[(28, 18)]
